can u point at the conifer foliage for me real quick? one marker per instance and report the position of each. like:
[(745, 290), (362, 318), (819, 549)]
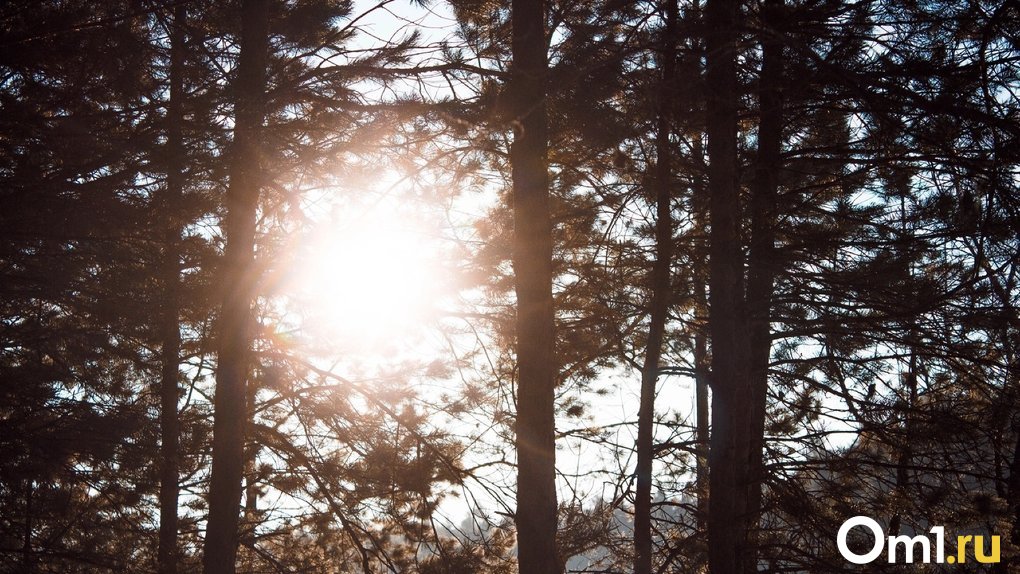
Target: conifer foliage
[(689, 284)]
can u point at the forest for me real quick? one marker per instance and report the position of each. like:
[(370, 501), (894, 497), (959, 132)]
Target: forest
[(483, 286)]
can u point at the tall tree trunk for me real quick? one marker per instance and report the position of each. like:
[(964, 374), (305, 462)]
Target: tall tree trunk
[(702, 368), (235, 328), (761, 265), (701, 434), (166, 556), (660, 298), (532, 260), (1011, 396), (731, 404), (1013, 482)]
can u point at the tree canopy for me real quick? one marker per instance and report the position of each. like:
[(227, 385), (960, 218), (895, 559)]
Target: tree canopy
[(537, 285)]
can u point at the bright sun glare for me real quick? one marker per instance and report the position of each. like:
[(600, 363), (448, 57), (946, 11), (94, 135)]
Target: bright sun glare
[(368, 280)]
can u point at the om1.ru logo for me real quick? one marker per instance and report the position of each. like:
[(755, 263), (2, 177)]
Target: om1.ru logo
[(910, 543)]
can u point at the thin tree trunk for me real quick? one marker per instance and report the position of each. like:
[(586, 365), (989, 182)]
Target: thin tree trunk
[(701, 434), (906, 455), (660, 300), (1011, 388), (234, 329), (1011, 397), (761, 265), (702, 368), (251, 489), (728, 547), (532, 260), (171, 335), (1013, 482)]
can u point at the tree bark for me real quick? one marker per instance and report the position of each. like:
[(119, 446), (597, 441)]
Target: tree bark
[(701, 433), (251, 489), (169, 490), (761, 264), (532, 260), (702, 367), (1011, 388), (660, 288), (728, 546), (1013, 482), (235, 321)]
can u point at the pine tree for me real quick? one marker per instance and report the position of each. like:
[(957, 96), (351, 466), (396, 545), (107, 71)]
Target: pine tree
[(532, 258), (660, 288), (235, 328)]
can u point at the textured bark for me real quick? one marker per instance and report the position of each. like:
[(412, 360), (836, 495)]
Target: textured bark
[(532, 261), (702, 366), (728, 546), (235, 328), (659, 308), (762, 263), (169, 490), (701, 370)]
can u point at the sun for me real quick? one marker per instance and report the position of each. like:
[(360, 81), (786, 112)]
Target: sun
[(367, 279)]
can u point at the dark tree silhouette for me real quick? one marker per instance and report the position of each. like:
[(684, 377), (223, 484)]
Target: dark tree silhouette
[(170, 352), (732, 410), (660, 289), (235, 328), (848, 269), (532, 259)]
